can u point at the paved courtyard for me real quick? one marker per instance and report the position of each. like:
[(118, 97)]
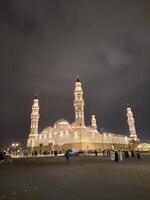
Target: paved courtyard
[(81, 178)]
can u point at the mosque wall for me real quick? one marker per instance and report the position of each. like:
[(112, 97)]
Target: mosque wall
[(82, 146)]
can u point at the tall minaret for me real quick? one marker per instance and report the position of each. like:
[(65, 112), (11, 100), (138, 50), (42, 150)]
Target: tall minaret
[(93, 122), (131, 124), (35, 117), (79, 104)]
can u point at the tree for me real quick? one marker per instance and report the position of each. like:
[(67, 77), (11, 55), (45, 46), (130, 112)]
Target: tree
[(1, 147)]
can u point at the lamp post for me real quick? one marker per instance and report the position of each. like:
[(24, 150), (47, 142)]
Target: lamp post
[(15, 149)]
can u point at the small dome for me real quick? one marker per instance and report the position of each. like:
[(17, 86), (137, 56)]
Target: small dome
[(73, 125), (62, 123), (46, 130)]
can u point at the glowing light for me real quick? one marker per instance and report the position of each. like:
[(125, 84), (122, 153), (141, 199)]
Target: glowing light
[(67, 132), (76, 134), (104, 135), (61, 133)]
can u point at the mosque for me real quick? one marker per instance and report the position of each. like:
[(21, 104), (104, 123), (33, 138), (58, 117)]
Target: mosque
[(64, 135)]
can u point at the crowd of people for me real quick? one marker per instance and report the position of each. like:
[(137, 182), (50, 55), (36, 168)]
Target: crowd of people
[(118, 155), (113, 155)]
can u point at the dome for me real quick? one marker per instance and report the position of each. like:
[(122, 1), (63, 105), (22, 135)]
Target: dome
[(46, 130), (73, 124), (62, 123)]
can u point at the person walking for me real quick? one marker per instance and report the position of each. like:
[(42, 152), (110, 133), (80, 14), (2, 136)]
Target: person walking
[(55, 153), (96, 152), (112, 155), (120, 155), (67, 154), (132, 152), (138, 155), (126, 154), (116, 156)]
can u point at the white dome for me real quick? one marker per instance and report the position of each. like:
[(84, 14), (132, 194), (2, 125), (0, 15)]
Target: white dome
[(73, 125), (46, 130), (62, 123)]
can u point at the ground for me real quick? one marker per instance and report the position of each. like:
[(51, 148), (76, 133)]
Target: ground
[(80, 178)]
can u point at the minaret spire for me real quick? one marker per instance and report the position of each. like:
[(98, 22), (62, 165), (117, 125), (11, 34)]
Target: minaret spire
[(79, 104), (35, 116), (131, 123), (34, 124), (93, 122), (35, 96), (78, 79)]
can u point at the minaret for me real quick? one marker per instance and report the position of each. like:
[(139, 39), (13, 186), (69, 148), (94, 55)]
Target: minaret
[(34, 117), (93, 122), (79, 104), (131, 124)]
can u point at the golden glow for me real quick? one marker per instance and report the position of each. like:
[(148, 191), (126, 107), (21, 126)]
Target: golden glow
[(76, 133)]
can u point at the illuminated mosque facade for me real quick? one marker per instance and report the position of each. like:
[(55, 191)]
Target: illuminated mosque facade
[(63, 135)]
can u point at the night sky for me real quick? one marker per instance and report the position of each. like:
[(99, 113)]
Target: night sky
[(44, 44)]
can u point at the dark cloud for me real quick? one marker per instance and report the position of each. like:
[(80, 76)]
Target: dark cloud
[(45, 44)]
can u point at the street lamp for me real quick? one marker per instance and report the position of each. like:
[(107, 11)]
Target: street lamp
[(15, 149)]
